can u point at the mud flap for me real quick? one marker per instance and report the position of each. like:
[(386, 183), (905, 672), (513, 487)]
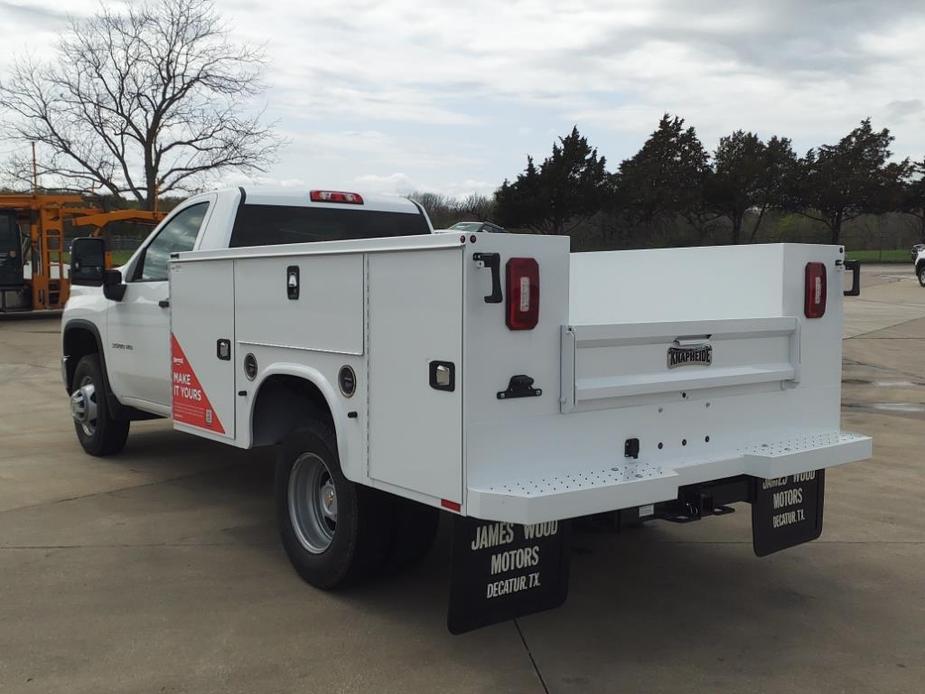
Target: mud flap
[(504, 570), (787, 511)]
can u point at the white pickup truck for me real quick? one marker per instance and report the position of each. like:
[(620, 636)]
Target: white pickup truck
[(495, 377)]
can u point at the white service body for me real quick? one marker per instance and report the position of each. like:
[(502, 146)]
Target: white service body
[(767, 406)]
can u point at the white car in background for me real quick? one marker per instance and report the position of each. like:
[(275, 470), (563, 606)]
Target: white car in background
[(920, 265)]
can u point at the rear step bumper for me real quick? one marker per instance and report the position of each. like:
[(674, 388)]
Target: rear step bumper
[(636, 483)]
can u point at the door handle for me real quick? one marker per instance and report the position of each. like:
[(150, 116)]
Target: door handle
[(493, 262), (855, 267), (164, 303)]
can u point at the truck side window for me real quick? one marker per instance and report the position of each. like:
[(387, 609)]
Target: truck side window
[(177, 236)]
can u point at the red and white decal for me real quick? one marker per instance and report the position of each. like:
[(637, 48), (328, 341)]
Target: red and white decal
[(190, 403)]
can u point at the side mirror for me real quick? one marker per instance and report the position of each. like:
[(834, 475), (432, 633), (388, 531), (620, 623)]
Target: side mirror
[(88, 262), (113, 287)]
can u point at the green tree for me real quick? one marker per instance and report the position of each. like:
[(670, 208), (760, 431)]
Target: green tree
[(516, 203), (749, 176), (738, 166), (838, 183), (913, 196), (778, 181), (666, 177), (568, 188)]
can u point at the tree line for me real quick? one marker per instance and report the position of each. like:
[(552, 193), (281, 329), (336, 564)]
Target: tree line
[(673, 191)]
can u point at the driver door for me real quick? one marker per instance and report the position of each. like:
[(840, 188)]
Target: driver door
[(139, 325)]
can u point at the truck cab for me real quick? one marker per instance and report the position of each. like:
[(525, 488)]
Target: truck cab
[(131, 334)]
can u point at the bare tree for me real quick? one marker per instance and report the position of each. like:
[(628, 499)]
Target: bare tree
[(477, 205), (141, 103)]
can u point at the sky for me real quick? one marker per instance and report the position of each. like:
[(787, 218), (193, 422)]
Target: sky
[(396, 96)]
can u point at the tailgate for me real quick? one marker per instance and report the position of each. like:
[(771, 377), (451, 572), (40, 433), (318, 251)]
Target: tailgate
[(672, 367), (609, 365)]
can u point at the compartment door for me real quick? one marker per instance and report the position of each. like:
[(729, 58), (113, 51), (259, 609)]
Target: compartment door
[(414, 311), (202, 348)]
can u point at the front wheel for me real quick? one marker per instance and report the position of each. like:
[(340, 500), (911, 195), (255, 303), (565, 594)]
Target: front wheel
[(334, 531), (921, 274), (98, 432)]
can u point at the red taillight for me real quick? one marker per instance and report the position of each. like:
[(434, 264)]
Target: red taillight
[(451, 505), (523, 293), (336, 196), (814, 304)]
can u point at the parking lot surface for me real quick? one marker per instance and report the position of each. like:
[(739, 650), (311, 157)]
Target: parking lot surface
[(158, 570)]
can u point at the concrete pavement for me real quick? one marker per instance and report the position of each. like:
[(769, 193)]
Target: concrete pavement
[(159, 570)]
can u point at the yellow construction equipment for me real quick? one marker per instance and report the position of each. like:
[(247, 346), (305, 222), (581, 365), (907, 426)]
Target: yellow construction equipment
[(47, 286)]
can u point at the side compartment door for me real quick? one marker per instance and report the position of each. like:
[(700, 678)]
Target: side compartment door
[(415, 326), (202, 347)]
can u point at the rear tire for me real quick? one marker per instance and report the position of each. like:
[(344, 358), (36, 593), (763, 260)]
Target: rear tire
[(413, 534), (335, 532), (98, 432)]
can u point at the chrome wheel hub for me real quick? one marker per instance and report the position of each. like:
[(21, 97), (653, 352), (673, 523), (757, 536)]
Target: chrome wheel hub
[(329, 500), (84, 407), (312, 503)]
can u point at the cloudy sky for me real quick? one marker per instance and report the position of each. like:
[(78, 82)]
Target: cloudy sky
[(393, 95)]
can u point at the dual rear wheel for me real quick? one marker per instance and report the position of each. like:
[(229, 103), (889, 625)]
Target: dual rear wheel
[(336, 532)]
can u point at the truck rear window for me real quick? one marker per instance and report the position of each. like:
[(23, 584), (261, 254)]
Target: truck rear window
[(270, 225)]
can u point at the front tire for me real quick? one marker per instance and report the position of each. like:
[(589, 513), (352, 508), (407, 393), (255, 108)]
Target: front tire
[(98, 432), (921, 274), (335, 532)]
